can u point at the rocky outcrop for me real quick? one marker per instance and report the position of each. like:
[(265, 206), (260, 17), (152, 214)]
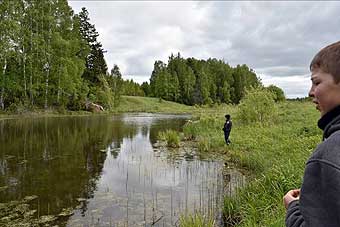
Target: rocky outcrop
[(93, 107)]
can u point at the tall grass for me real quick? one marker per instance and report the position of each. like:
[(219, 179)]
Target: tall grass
[(273, 154), (171, 137), (196, 220)]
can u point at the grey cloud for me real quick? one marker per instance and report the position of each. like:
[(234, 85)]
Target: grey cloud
[(276, 39)]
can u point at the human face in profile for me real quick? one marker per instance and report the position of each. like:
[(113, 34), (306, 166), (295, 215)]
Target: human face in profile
[(325, 92)]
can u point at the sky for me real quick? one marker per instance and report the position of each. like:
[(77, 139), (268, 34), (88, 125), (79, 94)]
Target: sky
[(275, 39)]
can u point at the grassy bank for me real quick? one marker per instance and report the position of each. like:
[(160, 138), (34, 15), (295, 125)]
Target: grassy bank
[(150, 105), (128, 104), (273, 157)]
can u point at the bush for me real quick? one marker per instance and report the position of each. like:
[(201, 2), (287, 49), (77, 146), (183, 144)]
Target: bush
[(277, 92), (258, 105), (171, 137)]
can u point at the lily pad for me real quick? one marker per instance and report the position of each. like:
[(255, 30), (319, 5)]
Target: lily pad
[(30, 198), (30, 213), (46, 219), (23, 162), (81, 199), (66, 212), (7, 157)]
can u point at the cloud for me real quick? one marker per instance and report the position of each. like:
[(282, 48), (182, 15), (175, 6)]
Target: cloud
[(276, 39)]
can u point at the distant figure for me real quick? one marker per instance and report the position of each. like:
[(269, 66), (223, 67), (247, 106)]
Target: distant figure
[(227, 128)]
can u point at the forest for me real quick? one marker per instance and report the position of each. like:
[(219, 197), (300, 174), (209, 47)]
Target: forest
[(51, 58)]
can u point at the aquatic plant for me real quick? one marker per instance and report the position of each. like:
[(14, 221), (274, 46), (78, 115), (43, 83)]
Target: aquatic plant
[(171, 137), (196, 220)]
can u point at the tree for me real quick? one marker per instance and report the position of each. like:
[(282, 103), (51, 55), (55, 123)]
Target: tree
[(146, 88), (258, 105), (277, 93), (95, 62), (116, 83)]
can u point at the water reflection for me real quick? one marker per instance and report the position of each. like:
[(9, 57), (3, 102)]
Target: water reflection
[(106, 169)]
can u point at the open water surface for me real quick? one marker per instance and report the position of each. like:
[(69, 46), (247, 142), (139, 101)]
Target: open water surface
[(106, 171)]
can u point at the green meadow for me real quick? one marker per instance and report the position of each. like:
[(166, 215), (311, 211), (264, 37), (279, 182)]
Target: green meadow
[(271, 154)]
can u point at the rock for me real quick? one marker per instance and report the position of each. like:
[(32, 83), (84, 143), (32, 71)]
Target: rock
[(93, 107)]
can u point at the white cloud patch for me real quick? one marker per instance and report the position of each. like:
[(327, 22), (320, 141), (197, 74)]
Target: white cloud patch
[(276, 39), (293, 86)]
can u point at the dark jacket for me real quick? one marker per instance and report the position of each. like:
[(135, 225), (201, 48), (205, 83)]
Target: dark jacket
[(319, 203), (227, 126)]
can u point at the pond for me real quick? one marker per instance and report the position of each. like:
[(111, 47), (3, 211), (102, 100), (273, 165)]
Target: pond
[(105, 171)]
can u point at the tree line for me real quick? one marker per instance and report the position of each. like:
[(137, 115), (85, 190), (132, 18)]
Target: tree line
[(51, 57), (191, 81)]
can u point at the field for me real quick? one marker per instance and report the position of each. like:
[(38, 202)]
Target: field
[(272, 155)]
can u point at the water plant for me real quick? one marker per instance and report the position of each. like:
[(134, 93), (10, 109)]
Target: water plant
[(196, 220), (171, 137)]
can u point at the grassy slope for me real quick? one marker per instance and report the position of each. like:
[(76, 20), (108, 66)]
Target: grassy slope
[(151, 105), (273, 156), (128, 104)]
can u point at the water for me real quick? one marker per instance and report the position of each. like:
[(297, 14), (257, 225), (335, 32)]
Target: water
[(107, 172)]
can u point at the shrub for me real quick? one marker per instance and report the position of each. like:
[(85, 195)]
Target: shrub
[(277, 92), (258, 105)]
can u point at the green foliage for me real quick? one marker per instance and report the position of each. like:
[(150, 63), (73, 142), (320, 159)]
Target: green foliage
[(196, 220), (150, 105), (192, 81), (277, 92), (104, 94), (257, 106), (273, 156), (171, 137)]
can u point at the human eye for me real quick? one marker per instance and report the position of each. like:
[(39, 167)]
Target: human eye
[(316, 82)]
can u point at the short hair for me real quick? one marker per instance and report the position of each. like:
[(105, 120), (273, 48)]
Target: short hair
[(328, 60), (227, 116)]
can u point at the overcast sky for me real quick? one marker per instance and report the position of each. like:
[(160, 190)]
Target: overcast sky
[(276, 39)]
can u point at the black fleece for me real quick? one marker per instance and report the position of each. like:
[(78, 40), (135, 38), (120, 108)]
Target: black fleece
[(319, 203)]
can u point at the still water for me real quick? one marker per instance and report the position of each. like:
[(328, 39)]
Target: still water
[(107, 171)]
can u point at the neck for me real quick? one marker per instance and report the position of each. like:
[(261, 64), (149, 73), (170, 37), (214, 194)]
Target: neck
[(328, 117)]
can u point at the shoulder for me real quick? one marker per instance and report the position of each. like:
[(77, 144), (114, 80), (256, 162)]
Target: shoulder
[(328, 150)]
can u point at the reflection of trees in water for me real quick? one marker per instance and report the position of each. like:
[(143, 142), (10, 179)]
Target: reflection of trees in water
[(163, 124), (61, 159), (58, 159)]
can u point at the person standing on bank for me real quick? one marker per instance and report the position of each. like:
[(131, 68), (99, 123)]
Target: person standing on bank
[(227, 128), (317, 203)]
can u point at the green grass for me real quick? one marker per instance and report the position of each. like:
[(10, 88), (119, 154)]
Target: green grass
[(150, 105), (171, 137), (273, 156), (196, 220)]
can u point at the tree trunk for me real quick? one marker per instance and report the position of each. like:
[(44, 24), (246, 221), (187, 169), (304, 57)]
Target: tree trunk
[(59, 89), (46, 84), (2, 105), (24, 71), (31, 73)]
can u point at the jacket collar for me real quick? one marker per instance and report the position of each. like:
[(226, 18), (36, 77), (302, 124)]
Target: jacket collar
[(330, 122)]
